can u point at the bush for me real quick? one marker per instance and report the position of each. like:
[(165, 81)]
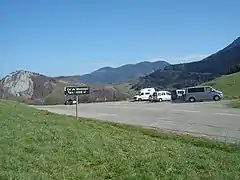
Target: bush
[(235, 103), (51, 99)]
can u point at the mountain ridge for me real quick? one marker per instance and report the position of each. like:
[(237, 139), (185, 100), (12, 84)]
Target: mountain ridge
[(193, 73), (121, 73)]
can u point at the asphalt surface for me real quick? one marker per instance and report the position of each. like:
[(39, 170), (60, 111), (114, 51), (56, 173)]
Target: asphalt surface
[(209, 119)]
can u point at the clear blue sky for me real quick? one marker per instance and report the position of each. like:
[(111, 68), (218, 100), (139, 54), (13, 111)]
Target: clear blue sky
[(66, 37)]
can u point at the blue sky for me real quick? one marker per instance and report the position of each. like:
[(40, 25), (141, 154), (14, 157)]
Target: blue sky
[(66, 37)]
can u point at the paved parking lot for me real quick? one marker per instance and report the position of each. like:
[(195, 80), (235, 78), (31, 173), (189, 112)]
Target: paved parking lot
[(211, 119)]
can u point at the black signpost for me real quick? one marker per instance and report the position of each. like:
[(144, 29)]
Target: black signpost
[(76, 91)]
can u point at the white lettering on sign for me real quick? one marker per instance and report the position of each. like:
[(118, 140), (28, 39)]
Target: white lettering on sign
[(77, 90), (71, 89), (81, 89)]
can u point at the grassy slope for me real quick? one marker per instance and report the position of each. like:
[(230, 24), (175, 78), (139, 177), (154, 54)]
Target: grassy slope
[(120, 89), (41, 145), (125, 87), (228, 84)]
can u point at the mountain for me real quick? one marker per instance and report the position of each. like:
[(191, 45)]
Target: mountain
[(190, 74), (122, 73), (35, 88), (28, 86)]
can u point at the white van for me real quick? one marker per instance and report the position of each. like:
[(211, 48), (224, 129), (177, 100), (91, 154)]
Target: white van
[(144, 94), (161, 96)]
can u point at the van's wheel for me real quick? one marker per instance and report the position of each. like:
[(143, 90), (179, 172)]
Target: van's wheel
[(160, 100), (139, 99), (192, 99), (216, 98)]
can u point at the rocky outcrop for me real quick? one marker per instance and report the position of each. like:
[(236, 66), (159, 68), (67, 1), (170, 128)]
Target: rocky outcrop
[(26, 84), (18, 84)]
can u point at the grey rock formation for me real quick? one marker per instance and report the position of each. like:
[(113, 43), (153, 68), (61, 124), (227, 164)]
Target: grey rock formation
[(27, 85), (18, 84)]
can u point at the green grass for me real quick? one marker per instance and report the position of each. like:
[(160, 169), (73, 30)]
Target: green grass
[(228, 84), (38, 144), (125, 87)]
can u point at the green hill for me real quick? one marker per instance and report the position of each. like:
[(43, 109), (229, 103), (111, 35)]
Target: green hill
[(38, 144), (194, 73), (228, 84)]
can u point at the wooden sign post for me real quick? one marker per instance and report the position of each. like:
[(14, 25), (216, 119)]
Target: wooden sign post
[(76, 91), (77, 107)]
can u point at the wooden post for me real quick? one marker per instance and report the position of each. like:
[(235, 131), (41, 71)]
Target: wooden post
[(77, 107)]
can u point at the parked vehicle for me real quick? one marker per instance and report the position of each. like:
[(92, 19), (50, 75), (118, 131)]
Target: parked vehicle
[(69, 102), (178, 95), (202, 93), (159, 96), (144, 94)]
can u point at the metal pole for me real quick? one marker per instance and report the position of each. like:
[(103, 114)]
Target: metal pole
[(77, 107)]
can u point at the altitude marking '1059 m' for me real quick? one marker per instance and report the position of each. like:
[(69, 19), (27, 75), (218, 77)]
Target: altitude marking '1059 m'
[(76, 91)]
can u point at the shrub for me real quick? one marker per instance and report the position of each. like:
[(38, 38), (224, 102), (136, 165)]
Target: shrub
[(235, 103), (51, 99)]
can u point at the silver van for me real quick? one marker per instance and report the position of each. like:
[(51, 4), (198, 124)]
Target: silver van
[(202, 93)]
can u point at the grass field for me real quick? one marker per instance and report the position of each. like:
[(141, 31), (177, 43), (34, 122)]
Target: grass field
[(41, 145), (228, 84), (125, 87)]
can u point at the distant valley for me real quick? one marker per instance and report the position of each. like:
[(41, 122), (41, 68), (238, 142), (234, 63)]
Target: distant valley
[(121, 83), (106, 84), (35, 88)]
